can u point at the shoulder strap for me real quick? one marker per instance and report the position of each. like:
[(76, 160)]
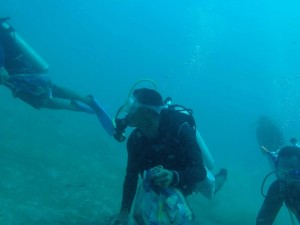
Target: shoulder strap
[(175, 117), (180, 128)]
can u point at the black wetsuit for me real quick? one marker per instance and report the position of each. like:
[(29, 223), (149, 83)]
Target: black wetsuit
[(281, 191), (175, 148)]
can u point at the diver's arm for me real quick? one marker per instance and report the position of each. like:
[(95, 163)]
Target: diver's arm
[(131, 178), (196, 171), (129, 190), (271, 205)]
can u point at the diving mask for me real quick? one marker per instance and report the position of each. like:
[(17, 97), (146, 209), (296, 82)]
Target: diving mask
[(132, 105), (128, 110)]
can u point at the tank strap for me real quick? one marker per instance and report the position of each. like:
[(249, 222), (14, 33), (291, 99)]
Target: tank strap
[(180, 128)]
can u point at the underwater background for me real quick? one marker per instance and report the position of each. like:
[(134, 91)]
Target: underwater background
[(230, 61)]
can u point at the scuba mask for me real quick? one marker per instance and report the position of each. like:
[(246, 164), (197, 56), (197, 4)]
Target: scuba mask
[(132, 105), (129, 108)]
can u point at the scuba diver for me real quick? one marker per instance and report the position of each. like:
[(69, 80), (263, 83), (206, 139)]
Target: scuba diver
[(286, 161), (285, 189), (22, 70), (163, 150)]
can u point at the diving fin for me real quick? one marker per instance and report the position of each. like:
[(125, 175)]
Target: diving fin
[(103, 116)]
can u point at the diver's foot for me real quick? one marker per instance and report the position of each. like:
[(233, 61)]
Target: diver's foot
[(82, 107), (222, 173), (220, 178), (88, 100), (92, 102)]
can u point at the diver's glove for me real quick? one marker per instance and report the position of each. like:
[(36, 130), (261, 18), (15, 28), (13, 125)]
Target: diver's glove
[(121, 218), (163, 178), (3, 75)]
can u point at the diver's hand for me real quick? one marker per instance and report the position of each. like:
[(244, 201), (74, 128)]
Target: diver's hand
[(3, 75), (121, 218), (163, 178)]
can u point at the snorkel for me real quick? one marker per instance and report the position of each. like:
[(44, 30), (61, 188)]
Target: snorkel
[(122, 123)]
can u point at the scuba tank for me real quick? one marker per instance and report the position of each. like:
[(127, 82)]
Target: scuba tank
[(206, 155), (16, 49)]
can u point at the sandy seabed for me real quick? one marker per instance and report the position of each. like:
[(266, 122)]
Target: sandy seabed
[(60, 168)]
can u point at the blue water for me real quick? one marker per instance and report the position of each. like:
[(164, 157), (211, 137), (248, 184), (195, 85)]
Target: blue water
[(231, 61)]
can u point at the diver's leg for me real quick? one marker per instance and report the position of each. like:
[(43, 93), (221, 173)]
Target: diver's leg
[(220, 179), (62, 104), (293, 199), (76, 103), (271, 206), (61, 92), (296, 210), (56, 103), (212, 183)]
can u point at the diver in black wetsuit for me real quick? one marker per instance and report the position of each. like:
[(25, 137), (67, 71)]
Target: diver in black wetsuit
[(160, 139), (285, 189)]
